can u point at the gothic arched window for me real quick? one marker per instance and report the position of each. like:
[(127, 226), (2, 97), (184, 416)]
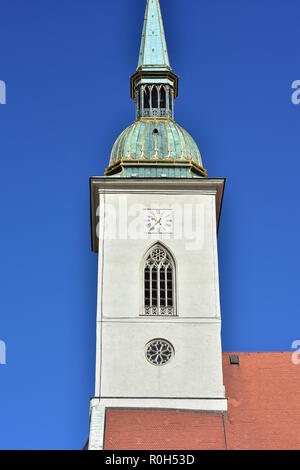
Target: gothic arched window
[(154, 97), (162, 97), (147, 97), (159, 282)]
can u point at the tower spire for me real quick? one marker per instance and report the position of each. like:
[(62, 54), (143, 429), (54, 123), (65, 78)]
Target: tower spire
[(153, 51), (154, 86), (155, 145)]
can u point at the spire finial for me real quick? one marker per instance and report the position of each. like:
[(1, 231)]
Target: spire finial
[(153, 51)]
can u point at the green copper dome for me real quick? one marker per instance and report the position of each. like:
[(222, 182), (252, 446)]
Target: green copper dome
[(159, 143), (154, 146)]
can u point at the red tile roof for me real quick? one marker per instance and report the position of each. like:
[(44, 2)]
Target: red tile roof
[(264, 413)]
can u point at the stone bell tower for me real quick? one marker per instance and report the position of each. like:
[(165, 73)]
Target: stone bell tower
[(155, 216)]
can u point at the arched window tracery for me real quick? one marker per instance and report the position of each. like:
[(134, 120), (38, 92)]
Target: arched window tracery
[(159, 283)]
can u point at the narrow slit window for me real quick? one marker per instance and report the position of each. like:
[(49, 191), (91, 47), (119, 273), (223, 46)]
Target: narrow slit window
[(147, 98), (154, 97), (162, 98)]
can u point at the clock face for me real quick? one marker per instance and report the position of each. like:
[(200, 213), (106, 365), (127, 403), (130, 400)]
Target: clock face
[(158, 221)]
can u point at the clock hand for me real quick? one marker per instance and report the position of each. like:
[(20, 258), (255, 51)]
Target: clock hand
[(153, 226)]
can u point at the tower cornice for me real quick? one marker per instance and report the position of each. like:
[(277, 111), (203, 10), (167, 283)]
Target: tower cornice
[(144, 76)]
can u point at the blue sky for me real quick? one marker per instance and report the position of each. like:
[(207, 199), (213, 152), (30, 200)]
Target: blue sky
[(66, 65)]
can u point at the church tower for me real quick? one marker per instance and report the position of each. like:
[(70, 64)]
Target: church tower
[(155, 216)]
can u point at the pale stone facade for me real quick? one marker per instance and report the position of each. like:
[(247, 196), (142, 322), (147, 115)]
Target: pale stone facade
[(193, 379)]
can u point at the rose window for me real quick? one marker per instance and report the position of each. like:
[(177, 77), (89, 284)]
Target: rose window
[(159, 352)]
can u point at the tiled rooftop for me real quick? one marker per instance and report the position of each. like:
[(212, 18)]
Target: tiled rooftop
[(263, 396)]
